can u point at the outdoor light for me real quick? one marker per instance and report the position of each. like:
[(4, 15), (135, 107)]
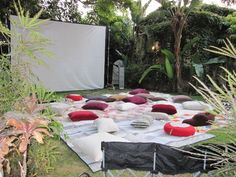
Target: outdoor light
[(153, 48), (156, 46)]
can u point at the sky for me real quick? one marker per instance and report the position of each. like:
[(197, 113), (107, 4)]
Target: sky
[(154, 5)]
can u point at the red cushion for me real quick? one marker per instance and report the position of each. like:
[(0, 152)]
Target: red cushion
[(82, 115), (74, 97), (95, 105), (135, 100), (200, 119), (138, 90), (166, 108), (179, 129)]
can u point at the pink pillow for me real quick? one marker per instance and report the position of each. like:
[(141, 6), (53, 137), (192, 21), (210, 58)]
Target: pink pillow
[(82, 115), (135, 100), (74, 97), (95, 105), (166, 108), (138, 90)]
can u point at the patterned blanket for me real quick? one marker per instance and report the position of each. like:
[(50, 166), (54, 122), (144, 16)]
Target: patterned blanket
[(123, 119)]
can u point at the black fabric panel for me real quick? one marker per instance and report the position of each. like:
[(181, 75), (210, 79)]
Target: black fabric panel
[(173, 161), (139, 156)]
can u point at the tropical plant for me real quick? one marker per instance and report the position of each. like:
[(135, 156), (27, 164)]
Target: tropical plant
[(228, 50), (6, 146), (25, 130), (222, 156), (166, 68), (55, 127), (220, 94), (43, 95), (15, 75), (17, 90), (138, 13)]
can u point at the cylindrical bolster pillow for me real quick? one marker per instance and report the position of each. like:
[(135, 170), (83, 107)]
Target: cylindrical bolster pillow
[(201, 119), (179, 129), (166, 108), (74, 97)]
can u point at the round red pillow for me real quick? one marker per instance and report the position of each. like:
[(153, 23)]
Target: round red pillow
[(179, 129), (74, 97), (166, 108)]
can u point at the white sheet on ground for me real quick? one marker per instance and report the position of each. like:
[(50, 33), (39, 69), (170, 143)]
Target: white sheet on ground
[(153, 133)]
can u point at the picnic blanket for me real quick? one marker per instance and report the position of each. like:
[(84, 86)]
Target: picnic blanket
[(123, 119)]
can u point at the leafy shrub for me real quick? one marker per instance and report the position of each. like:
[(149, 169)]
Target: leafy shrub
[(156, 80), (133, 73), (222, 11)]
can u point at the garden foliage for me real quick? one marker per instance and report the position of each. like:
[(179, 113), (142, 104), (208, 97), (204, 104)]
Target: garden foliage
[(19, 94), (205, 26), (218, 95)]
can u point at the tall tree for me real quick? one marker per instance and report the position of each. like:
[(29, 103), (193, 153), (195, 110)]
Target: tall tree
[(67, 10), (180, 15), (138, 13)]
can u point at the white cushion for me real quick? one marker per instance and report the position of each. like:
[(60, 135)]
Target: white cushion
[(143, 122), (196, 105), (158, 115), (126, 106), (106, 125), (91, 145), (165, 102)]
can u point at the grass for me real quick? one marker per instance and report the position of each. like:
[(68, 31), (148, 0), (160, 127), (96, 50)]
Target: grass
[(70, 165)]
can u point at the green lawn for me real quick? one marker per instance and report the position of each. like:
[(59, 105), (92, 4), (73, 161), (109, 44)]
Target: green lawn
[(68, 164)]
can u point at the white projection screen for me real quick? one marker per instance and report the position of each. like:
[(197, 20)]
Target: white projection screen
[(78, 61)]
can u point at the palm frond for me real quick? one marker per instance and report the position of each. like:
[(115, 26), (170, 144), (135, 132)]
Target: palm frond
[(148, 70), (228, 50)]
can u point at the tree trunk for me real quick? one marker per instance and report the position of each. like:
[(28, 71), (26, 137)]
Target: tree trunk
[(178, 30), (179, 82)]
